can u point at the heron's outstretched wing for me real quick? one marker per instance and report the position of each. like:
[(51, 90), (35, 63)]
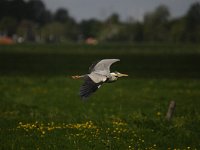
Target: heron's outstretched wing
[(88, 87), (103, 66)]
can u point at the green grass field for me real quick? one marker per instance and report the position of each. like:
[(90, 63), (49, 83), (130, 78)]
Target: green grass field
[(41, 108)]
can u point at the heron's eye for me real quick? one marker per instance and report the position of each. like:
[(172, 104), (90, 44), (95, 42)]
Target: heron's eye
[(116, 72)]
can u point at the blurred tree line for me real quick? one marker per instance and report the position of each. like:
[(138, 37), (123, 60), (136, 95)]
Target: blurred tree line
[(30, 20)]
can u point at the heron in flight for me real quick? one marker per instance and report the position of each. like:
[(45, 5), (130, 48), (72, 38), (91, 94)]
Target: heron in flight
[(99, 73)]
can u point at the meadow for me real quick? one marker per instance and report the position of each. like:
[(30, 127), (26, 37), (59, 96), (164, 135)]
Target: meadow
[(41, 108)]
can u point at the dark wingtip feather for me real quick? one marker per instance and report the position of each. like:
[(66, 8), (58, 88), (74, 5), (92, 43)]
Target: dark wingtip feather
[(88, 88)]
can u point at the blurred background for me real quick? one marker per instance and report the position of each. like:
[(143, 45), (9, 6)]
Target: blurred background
[(99, 22)]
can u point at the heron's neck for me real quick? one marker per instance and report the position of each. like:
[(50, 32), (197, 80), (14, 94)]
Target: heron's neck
[(112, 78)]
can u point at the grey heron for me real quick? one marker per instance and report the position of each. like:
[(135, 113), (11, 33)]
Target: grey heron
[(99, 73)]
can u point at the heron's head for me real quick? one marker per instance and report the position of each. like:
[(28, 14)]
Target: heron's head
[(118, 74)]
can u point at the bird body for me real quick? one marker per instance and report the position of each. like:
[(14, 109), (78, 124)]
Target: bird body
[(97, 78), (99, 73)]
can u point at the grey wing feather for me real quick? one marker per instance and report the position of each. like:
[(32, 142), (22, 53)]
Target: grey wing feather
[(91, 68), (103, 66), (88, 87)]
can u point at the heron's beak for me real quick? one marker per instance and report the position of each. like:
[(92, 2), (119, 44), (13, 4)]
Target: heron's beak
[(122, 75)]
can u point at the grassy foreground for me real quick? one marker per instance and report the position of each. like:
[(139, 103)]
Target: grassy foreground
[(41, 109)]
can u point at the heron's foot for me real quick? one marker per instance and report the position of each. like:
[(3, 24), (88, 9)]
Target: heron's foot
[(76, 77)]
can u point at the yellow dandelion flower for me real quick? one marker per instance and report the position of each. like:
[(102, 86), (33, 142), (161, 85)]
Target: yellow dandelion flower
[(142, 141), (158, 113)]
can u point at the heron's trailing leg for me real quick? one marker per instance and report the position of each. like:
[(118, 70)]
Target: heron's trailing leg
[(78, 77)]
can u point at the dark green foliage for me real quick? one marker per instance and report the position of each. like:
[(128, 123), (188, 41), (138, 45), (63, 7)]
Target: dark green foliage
[(193, 23), (158, 25), (90, 28)]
